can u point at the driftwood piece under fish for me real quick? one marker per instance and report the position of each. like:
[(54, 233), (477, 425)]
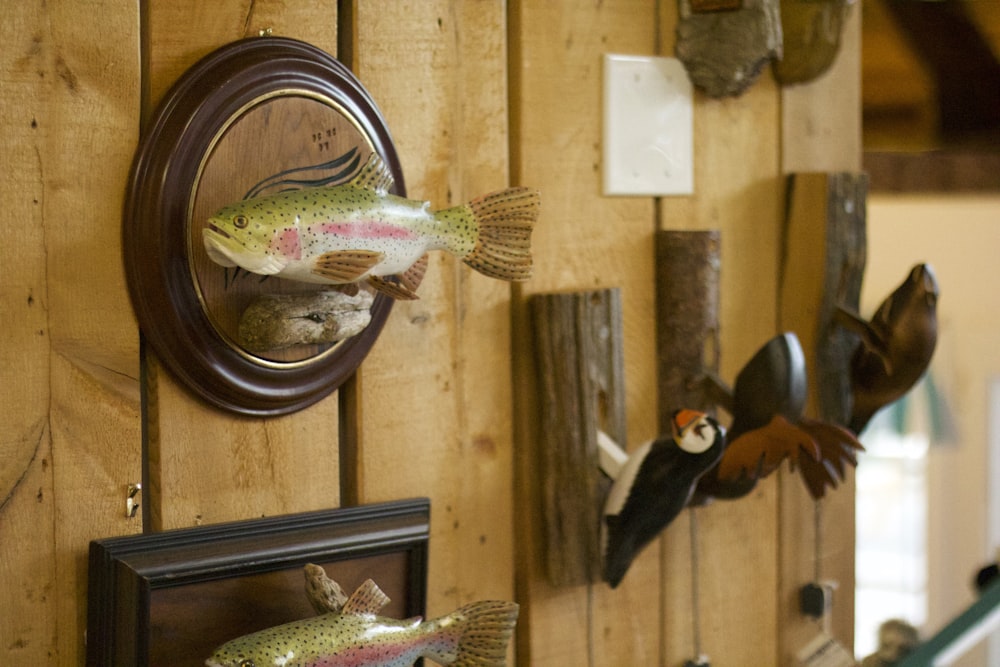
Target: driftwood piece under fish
[(277, 321), (725, 51), (325, 595)]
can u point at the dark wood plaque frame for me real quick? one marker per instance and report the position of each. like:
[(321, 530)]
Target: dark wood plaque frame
[(159, 254), (171, 598)]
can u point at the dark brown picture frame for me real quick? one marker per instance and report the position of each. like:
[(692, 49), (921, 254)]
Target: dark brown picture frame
[(171, 598), (320, 110)]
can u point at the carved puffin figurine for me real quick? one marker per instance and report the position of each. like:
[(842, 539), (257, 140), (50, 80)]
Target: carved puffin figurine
[(654, 486)]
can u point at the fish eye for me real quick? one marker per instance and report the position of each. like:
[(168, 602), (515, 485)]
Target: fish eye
[(241, 222), (246, 663)]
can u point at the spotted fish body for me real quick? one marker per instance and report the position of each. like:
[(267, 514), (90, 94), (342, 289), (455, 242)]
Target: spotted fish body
[(359, 232), (474, 636)]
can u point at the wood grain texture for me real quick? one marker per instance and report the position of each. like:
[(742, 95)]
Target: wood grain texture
[(206, 465), (738, 191), (75, 341), (578, 350), (821, 119), (687, 312), (822, 267), (27, 504), (583, 241), (436, 400), (821, 132), (477, 95)]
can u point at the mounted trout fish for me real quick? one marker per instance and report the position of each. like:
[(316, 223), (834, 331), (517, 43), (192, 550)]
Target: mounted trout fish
[(358, 232), (354, 636)]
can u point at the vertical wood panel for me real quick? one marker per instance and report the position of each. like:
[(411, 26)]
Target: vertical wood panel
[(584, 241), (821, 120), (94, 414), (207, 465), (436, 402), (75, 82), (436, 405), (738, 190), (821, 132), (825, 240), (27, 569)]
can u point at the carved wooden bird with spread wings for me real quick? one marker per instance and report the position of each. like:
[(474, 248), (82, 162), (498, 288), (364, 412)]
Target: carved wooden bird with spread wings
[(768, 426)]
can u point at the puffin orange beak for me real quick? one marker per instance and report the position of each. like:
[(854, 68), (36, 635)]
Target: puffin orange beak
[(684, 418)]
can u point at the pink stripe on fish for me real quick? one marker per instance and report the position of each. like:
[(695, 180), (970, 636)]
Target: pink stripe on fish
[(376, 653), (367, 230), (286, 242)]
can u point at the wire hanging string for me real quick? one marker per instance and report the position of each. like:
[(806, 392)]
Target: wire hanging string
[(695, 621), (826, 619), (817, 538)]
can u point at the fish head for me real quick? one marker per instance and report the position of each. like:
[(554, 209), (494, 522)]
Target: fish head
[(252, 236)]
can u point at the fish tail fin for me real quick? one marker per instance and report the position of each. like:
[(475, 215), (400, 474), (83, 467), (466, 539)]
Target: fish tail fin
[(505, 220), (476, 635)]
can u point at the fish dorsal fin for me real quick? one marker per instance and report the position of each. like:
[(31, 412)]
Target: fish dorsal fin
[(368, 599), (375, 175)]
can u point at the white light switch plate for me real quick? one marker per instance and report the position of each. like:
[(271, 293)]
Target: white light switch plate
[(648, 126)]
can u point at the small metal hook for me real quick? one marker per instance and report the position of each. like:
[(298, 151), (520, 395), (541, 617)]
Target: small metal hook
[(131, 501)]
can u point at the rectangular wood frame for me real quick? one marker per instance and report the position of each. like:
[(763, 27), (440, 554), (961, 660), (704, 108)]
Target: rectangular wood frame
[(170, 598)]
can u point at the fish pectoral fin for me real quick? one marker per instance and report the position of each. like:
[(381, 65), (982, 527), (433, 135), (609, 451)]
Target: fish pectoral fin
[(392, 289), (346, 266), (368, 599), (414, 275)]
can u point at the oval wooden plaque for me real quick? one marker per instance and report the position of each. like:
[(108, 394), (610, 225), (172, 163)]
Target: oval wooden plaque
[(254, 117)]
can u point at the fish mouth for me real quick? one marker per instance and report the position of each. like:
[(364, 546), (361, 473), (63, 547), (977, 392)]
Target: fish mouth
[(218, 230), (217, 246), (225, 250)]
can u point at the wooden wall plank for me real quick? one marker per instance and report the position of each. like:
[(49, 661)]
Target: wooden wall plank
[(94, 413), (821, 120), (74, 80), (584, 241), (436, 400), (738, 190), (821, 132), (27, 566), (206, 465), (826, 253)]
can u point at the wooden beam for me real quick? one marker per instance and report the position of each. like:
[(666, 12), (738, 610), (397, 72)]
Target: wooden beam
[(579, 354)]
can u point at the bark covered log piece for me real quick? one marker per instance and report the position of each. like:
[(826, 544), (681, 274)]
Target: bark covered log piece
[(811, 32), (277, 321), (579, 351), (725, 51)]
